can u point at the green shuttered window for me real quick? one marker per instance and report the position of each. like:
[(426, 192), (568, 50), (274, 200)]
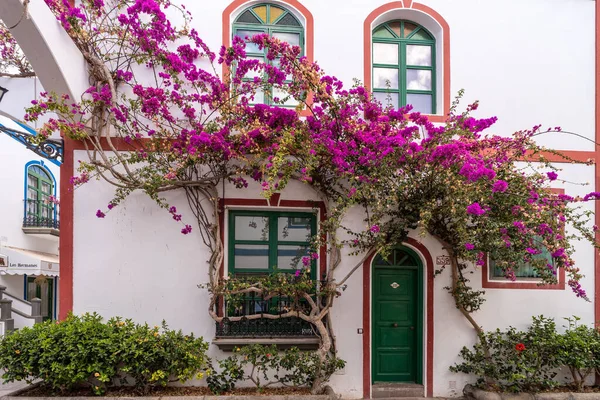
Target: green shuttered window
[(403, 57), (277, 22), (265, 241)]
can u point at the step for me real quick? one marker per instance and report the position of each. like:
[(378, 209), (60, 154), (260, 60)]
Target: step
[(397, 390)]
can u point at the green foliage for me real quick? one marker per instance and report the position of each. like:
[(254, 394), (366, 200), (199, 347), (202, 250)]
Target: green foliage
[(265, 366), (85, 351), (579, 350), (517, 360)]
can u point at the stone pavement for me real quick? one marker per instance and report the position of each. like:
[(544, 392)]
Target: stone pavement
[(7, 388)]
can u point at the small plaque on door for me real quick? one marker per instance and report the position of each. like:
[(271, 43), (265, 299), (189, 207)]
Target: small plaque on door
[(395, 285)]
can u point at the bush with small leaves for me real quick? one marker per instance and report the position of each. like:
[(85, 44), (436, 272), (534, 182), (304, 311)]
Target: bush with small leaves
[(513, 360), (266, 366), (84, 351), (579, 350)]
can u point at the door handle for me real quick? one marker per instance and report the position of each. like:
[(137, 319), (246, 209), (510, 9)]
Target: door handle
[(394, 325), (412, 328)]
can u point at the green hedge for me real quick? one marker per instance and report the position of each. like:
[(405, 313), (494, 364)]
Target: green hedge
[(529, 360), (85, 351)]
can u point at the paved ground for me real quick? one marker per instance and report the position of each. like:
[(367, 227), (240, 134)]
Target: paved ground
[(6, 388)]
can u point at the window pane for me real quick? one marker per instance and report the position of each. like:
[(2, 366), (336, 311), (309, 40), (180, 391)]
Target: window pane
[(282, 94), (418, 79), (275, 13), (395, 27), (46, 187), (276, 64), (418, 55), (523, 271), (32, 181), (421, 35), (261, 11), (409, 28), (289, 20), (251, 228), (248, 18), (385, 78), (387, 98), (252, 73), (251, 256), (292, 38), (385, 53), (250, 47), (294, 229), (383, 33), (290, 257), (32, 207), (258, 96), (420, 102), (32, 194)]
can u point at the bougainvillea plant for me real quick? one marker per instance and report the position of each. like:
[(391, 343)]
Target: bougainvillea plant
[(13, 63), (156, 86)]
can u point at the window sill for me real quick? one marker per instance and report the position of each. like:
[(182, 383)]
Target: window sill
[(41, 231), (436, 118), (303, 343)]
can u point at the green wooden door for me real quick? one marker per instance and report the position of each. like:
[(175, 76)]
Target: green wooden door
[(397, 337)]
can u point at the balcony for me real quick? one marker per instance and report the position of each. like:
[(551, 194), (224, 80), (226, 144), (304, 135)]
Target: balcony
[(41, 218), (246, 327)]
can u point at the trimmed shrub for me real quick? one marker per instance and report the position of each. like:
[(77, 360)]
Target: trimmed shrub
[(579, 351), (84, 351), (516, 361), (528, 361)]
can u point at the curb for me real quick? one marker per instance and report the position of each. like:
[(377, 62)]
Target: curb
[(472, 393)]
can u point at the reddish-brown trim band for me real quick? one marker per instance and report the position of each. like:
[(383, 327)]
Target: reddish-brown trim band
[(488, 283), (445, 47), (578, 156), (429, 275), (65, 282)]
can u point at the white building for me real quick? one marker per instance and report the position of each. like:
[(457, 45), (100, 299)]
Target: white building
[(527, 61), (29, 222)]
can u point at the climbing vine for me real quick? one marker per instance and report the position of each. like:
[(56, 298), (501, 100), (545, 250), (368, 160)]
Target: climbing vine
[(155, 88)]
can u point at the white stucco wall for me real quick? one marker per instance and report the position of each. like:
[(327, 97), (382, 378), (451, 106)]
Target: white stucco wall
[(521, 64)]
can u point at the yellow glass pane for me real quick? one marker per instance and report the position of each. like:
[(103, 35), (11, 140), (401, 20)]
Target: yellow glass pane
[(409, 28), (275, 13), (395, 27), (261, 11)]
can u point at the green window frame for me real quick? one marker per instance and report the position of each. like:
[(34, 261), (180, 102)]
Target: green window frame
[(261, 242), (404, 66), (39, 187), (276, 21)]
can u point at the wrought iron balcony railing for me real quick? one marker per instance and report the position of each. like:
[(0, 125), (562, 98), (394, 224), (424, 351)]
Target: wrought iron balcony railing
[(41, 214), (252, 327)]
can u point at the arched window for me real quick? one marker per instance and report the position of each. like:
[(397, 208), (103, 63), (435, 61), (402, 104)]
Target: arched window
[(277, 22), (40, 186), (403, 65)]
